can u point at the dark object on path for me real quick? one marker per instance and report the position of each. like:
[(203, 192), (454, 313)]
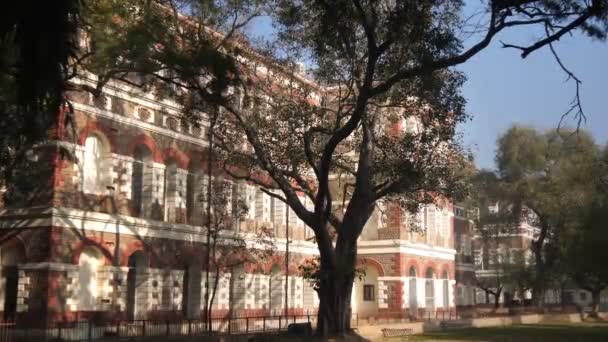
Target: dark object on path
[(404, 332), (299, 329)]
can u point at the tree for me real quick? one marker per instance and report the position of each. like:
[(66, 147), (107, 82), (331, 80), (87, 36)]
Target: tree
[(585, 243), (37, 44), (227, 249), (500, 267), (547, 176), (375, 65)]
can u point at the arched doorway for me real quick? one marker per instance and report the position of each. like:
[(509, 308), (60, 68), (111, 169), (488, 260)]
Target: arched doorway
[(446, 290), (429, 290), (88, 264), (413, 293), (277, 288), (191, 292), (366, 293), (137, 279), (238, 290), (11, 255)]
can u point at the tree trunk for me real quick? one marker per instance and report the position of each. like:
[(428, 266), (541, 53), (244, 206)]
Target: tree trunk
[(497, 299), (595, 303), (334, 308), (336, 283), (539, 282)]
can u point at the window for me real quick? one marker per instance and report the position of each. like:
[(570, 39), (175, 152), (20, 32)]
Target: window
[(142, 180), (369, 293), (94, 166), (583, 296)]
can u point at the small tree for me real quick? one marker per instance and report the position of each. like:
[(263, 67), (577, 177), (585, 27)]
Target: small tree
[(228, 247)]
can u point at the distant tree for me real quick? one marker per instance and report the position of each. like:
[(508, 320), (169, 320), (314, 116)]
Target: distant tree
[(548, 178), (585, 242), (495, 221), (383, 62)]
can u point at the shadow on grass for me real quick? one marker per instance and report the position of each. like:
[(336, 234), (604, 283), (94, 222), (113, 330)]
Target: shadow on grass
[(595, 332)]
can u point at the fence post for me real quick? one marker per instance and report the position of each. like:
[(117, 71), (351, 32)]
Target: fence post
[(264, 323), (167, 321), (189, 327), (90, 330), (279, 322), (229, 324), (247, 324)]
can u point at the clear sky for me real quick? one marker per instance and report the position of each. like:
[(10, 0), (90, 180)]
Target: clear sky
[(503, 89)]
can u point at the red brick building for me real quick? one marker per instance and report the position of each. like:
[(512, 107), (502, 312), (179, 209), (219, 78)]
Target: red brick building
[(113, 230)]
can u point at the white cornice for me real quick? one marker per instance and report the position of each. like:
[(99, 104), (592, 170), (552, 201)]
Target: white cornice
[(140, 124), (405, 247), (126, 225)]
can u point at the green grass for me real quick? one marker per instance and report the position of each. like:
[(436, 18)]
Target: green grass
[(583, 332)]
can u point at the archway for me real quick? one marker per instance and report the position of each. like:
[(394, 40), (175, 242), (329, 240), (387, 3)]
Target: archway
[(191, 292), (413, 293), (366, 293), (11, 256), (238, 289), (429, 290), (446, 290), (137, 279), (277, 289), (89, 261)]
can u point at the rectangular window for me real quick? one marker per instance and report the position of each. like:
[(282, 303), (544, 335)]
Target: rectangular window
[(368, 293)]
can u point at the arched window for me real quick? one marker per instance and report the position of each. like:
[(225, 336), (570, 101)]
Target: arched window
[(137, 281), (142, 182), (446, 290), (194, 189), (88, 265), (95, 167), (12, 254), (171, 191), (429, 289), (413, 292)]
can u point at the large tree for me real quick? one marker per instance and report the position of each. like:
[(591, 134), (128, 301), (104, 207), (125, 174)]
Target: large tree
[(585, 241), (38, 41), (375, 64)]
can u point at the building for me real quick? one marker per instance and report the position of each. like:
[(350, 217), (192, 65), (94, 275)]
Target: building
[(500, 253), (464, 230), (113, 231)]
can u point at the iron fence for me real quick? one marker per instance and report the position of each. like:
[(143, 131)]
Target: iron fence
[(137, 329)]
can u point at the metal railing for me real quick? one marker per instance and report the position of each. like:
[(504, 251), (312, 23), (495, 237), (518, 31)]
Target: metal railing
[(118, 330)]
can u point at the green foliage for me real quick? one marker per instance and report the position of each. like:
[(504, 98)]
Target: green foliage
[(553, 181), (37, 43), (310, 269)]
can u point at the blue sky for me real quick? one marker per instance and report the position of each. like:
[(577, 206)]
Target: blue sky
[(503, 89)]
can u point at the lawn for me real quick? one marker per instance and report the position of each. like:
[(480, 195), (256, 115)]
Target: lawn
[(521, 333)]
